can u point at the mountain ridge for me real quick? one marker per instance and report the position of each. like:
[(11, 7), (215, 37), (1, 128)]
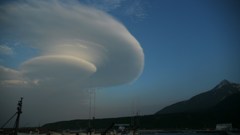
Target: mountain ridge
[(203, 101), (221, 104)]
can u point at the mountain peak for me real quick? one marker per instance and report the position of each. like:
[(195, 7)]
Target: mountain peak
[(222, 83), (204, 101)]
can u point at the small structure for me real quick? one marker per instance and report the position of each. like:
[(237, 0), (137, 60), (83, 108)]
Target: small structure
[(122, 127), (18, 113), (224, 127)]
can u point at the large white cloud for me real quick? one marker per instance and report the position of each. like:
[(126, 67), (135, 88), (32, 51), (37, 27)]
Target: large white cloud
[(79, 48), (76, 43)]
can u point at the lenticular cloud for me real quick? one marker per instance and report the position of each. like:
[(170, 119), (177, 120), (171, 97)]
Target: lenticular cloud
[(78, 45)]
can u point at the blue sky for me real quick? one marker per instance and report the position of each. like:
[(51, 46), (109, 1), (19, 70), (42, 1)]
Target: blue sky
[(189, 47)]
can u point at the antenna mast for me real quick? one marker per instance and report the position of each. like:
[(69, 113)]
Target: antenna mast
[(19, 111)]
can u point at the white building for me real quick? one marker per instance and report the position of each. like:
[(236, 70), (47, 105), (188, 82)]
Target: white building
[(225, 126)]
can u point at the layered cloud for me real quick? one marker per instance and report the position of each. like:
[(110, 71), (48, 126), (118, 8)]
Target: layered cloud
[(78, 48), (10, 77), (78, 45)]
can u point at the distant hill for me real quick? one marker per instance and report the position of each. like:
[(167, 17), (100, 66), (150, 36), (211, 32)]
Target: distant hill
[(218, 105), (204, 101)]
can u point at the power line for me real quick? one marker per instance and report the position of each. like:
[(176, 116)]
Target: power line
[(9, 120)]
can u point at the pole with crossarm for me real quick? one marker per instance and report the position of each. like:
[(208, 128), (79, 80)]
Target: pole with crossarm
[(19, 111)]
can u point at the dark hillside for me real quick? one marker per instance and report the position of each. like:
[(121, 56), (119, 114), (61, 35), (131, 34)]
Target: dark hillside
[(203, 111), (204, 101)]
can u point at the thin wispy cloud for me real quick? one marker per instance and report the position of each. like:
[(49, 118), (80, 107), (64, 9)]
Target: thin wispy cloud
[(133, 9), (136, 9), (6, 50), (105, 5)]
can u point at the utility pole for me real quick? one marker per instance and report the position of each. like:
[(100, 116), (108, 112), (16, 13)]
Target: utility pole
[(19, 111)]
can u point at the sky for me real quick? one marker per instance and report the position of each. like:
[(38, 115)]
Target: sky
[(112, 58)]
